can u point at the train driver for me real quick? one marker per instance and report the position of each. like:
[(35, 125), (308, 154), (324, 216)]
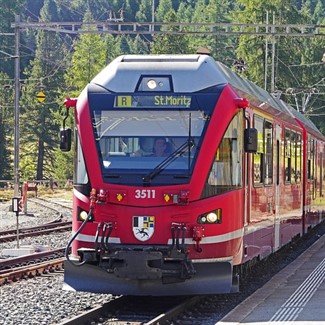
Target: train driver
[(160, 148)]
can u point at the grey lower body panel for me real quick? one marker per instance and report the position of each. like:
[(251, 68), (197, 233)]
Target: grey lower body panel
[(210, 278)]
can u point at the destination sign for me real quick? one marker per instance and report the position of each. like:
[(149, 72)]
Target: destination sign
[(164, 101)]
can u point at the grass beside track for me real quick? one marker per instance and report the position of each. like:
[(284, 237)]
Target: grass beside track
[(43, 192)]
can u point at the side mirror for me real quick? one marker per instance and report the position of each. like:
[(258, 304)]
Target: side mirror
[(65, 139), (65, 133), (250, 140)]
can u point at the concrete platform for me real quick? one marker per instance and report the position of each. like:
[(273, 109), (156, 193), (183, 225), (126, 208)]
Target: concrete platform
[(24, 250), (16, 252), (295, 296)]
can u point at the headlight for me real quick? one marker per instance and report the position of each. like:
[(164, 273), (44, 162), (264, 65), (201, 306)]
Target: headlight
[(83, 215), (212, 217), (155, 83), (151, 84)]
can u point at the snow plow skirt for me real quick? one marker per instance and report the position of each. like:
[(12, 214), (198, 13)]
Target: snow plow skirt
[(210, 278)]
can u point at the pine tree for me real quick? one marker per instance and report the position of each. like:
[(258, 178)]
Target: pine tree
[(252, 48), (164, 7), (6, 126), (144, 14), (88, 59), (138, 46), (7, 16), (170, 43), (39, 131), (213, 11)]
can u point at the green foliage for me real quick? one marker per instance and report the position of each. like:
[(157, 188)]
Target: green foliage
[(297, 71), (6, 127), (7, 17), (38, 128), (221, 46), (100, 9), (165, 6), (88, 59), (145, 11), (113, 46), (170, 43), (319, 13), (63, 166), (138, 46)]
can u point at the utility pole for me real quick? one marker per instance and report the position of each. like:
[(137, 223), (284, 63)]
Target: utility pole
[(16, 109), (16, 199), (273, 57), (153, 16), (266, 51)]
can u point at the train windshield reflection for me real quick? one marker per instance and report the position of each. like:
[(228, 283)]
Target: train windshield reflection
[(139, 140)]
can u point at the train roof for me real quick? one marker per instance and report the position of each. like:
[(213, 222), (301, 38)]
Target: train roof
[(309, 125), (123, 75), (260, 95)]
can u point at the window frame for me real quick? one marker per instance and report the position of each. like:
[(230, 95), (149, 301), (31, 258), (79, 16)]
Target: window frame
[(292, 156), (231, 160), (263, 174)]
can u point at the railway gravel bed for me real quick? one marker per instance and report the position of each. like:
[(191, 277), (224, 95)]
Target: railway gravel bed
[(53, 240), (38, 214), (41, 301)]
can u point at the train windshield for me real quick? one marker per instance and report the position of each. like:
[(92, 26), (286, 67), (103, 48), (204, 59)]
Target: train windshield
[(137, 146)]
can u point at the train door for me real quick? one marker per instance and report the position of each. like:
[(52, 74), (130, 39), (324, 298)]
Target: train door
[(247, 188), (278, 131), (321, 175), (247, 164), (310, 183)]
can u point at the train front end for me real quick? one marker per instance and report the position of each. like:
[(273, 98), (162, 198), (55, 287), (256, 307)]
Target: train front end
[(153, 134)]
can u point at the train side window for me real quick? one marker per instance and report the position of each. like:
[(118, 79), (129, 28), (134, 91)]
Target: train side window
[(310, 158), (226, 170), (298, 152), (268, 143), (292, 157), (293, 169), (80, 171), (263, 158), (287, 156), (320, 174), (258, 166)]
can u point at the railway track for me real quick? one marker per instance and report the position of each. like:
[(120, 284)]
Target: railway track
[(58, 226), (54, 205), (135, 311), (27, 266)]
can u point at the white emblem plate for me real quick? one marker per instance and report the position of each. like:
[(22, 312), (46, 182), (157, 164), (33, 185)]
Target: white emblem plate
[(143, 227)]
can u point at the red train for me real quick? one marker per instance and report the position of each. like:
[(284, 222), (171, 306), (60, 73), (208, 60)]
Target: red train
[(184, 172)]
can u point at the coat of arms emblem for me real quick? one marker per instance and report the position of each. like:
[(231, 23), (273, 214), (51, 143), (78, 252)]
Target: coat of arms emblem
[(143, 227)]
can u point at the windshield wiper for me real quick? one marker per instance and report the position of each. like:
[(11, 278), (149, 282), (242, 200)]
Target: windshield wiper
[(167, 161)]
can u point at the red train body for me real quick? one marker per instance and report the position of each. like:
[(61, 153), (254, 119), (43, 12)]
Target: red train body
[(236, 179)]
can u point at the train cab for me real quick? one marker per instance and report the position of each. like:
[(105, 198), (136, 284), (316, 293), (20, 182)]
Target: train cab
[(179, 178)]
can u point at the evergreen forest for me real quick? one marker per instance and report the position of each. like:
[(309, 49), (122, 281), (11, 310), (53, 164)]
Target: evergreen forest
[(60, 65)]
